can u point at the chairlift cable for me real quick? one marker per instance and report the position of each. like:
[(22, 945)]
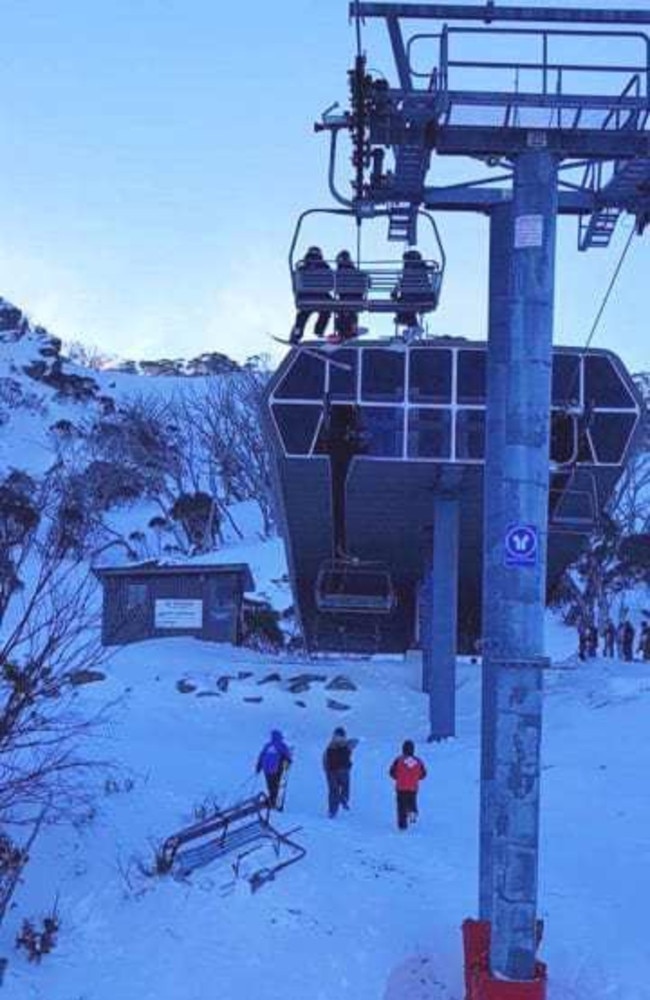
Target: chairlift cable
[(601, 309), (610, 287)]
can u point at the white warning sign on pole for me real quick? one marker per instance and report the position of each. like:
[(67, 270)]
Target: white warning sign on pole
[(529, 231)]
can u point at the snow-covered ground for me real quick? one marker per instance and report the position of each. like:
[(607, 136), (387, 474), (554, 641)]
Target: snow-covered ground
[(370, 913)]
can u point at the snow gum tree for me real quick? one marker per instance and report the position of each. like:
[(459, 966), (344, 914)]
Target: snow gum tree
[(617, 556)]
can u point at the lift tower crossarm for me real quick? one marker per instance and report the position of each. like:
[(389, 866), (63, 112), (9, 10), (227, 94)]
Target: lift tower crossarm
[(489, 13)]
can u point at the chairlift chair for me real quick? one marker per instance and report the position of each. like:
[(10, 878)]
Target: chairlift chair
[(573, 502), (372, 286), (345, 584), (354, 586)]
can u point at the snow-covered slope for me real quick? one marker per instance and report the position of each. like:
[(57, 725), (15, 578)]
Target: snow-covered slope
[(50, 406), (371, 912), (40, 386)]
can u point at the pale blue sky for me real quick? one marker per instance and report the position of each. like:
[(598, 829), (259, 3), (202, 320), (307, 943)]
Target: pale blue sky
[(156, 154)]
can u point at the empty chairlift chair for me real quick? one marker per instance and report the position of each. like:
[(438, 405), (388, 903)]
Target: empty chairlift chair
[(353, 586)]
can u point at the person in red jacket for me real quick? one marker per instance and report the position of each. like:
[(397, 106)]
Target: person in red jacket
[(407, 771)]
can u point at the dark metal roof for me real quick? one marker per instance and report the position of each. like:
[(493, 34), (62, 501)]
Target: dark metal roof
[(154, 569)]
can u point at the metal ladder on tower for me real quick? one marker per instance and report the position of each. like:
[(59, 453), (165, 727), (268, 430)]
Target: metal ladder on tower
[(597, 231), (411, 161), (630, 180)]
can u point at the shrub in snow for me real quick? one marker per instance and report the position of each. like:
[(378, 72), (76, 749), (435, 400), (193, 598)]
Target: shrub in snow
[(110, 483), (261, 627), (114, 787), (38, 941), (198, 515), (13, 859), (11, 318)]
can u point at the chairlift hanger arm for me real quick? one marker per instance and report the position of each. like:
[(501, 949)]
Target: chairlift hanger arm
[(331, 173)]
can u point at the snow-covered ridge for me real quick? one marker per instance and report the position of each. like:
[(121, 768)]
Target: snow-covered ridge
[(131, 447)]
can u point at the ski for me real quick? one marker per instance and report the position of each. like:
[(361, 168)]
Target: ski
[(282, 787), (323, 342)]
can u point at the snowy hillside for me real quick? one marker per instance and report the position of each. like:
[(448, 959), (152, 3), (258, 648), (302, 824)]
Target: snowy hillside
[(370, 912), (128, 448), (41, 385)]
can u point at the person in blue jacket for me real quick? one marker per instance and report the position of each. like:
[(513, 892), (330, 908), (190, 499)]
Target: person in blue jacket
[(273, 760)]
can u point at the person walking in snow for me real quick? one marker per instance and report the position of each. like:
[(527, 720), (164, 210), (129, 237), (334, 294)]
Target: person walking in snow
[(609, 636), (274, 759), (592, 641), (407, 771), (644, 641), (583, 639), (628, 640), (337, 763)]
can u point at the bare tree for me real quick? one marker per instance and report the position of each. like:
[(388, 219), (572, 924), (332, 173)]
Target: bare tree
[(632, 504), (49, 637), (89, 355), (224, 416)]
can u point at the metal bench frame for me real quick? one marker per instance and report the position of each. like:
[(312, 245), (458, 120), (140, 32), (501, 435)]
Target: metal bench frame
[(244, 825)]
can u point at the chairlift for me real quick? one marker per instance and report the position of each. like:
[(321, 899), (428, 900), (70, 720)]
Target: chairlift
[(345, 584), (354, 586), (378, 286)]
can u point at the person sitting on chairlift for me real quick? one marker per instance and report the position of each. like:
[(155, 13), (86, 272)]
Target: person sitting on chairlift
[(313, 266), (351, 285), (412, 289)]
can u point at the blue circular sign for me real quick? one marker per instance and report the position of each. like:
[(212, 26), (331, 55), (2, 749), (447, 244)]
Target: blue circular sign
[(521, 544)]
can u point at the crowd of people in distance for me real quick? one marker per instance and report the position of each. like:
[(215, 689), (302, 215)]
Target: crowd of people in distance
[(407, 771), (349, 284), (616, 640)]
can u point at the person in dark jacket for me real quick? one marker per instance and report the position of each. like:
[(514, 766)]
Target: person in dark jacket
[(273, 760), (351, 286), (628, 641), (407, 771), (583, 640), (644, 641), (609, 636), (317, 279), (413, 290), (592, 641), (337, 762)]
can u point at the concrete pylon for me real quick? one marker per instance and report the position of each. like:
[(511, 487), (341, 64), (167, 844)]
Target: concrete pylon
[(441, 595), (517, 470)]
